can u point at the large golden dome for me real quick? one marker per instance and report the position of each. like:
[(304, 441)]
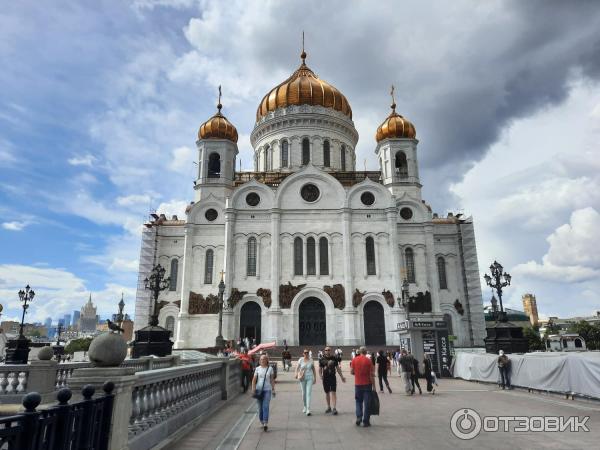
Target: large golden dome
[(395, 127), (218, 127), (303, 88)]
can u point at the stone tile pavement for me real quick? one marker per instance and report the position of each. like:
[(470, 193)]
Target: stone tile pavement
[(415, 422)]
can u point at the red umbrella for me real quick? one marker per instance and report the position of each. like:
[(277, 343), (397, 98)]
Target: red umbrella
[(262, 347)]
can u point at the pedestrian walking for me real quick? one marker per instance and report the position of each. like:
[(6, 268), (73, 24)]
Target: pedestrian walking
[(382, 369), (328, 366), (246, 369), (429, 374), (286, 357), (364, 383), (406, 370), (263, 388), (414, 378), (504, 369), (388, 355), (307, 375)]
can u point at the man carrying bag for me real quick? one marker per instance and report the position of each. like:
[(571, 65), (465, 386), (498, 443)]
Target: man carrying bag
[(364, 386)]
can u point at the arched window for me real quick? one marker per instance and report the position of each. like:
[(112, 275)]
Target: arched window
[(173, 275), (409, 257), (326, 154), (266, 159), (284, 153), (441, 266), (170, 324), (251, 261), (305, 151), (323, 256), (578, 343), (370, 247), (311, 266), (208, 267), (401, 165), (214, 165), (298, 258), (448, 320), (343, 157)]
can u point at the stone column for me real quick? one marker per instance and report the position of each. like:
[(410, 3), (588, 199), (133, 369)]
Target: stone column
[(274, 312), (228, 261), (398, 314), (124, 380), (431, 269), (330, 257), (42, 379), (304, 259), (186, 283), (350, 312), (317, 259)]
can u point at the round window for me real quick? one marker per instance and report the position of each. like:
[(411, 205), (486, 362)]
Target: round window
[(367, 198), (211, 215), (406, 213), (253, 199), (310, 192)]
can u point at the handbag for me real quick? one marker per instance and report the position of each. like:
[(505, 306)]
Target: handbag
[(259, 395), (374, 404), (301, 374)]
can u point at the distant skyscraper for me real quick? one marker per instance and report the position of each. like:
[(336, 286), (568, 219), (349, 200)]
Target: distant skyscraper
[(48, 322), (67, 320), (530, 307), (61, 321), (76, 315), (88, 318)]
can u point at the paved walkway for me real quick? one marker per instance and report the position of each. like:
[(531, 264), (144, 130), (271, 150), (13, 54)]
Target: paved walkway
[(417, 422)]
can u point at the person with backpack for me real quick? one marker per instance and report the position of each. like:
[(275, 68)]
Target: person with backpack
[(263, 388), (328, 366)]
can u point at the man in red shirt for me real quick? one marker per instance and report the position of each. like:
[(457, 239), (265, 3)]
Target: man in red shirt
[(246, 369), (364, 383)]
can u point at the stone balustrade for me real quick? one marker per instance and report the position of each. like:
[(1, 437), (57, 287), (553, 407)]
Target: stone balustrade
[(46, 377)]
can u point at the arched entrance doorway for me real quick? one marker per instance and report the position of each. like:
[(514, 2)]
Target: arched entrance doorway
[(250, 321), (312, 323), (374, 323)]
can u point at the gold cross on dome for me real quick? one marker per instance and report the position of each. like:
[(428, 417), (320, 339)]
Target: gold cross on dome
[(219, 102), (393, 99)]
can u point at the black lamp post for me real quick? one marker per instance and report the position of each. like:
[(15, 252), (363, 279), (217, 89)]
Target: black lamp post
[(153, 339), (120, 315), (17, 351), (502, 335), (59, 350), (496, 283), (219, 341)]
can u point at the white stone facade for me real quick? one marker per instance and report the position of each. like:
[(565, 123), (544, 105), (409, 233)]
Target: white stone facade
[(339, 222)]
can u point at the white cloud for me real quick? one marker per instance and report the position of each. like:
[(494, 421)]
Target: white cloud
[(182, 161), (173, 207), (57, 292), (82, 160), (134, 200), (574, 252), (15, 225)]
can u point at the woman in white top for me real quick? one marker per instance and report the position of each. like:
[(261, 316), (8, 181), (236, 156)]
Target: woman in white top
[(263, 386), (307, 375)]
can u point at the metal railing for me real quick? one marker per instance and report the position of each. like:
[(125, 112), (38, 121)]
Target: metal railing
[(81, 425), (275, 178)]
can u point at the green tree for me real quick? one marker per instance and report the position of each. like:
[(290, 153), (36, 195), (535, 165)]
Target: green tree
[(532, 334), (590, 333), (551, 328), (78, 345)]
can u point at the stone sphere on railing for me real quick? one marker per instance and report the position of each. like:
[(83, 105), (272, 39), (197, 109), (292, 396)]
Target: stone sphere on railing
[(108, 350), (45, 354)]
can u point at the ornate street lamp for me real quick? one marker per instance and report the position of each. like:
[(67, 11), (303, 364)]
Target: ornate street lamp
[(153, 339), (17, 351), (59, 350), (120, 315), (155, 283), (502, 335), (496, 283), (219, 341)]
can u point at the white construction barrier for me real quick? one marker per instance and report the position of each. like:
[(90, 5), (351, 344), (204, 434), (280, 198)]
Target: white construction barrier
[(569, 373)]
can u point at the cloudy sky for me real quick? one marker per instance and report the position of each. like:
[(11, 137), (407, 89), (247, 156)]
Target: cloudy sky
[(100, 103)]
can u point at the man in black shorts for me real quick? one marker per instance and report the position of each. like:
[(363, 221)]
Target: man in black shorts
[(328, 366)]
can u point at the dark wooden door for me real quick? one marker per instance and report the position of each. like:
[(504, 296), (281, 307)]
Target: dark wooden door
[(312, 322), (374, 323), (250, 321)]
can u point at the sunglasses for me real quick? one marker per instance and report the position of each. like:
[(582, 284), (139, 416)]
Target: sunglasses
[(306, 353)]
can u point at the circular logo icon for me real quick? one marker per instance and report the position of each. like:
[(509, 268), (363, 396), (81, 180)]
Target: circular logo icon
[(465, 424)]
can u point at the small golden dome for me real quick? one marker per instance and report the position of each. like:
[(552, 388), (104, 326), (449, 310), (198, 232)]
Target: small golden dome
[(395, 127), (303, 88), (218, 127)]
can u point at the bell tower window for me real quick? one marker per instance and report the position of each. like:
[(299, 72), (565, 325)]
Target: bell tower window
[(284, 153), (343, 157), (401, 165), (305, 151), (214, 166), (326, 154)]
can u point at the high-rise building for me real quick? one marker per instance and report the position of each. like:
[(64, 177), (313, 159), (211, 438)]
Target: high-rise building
[(67, 320), (48, 322), (530, 308), (76, 315), (88, 318), (61, 321)]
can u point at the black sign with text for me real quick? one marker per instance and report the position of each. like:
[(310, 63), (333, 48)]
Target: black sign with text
[(443, 345)]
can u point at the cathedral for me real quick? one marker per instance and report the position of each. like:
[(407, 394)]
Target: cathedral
[(310, 250)]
